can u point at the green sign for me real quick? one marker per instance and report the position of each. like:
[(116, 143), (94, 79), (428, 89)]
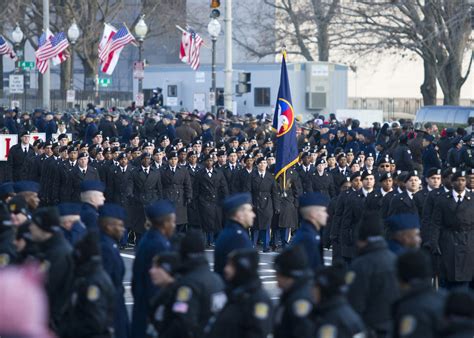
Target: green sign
[(26, 65), (105, 82)]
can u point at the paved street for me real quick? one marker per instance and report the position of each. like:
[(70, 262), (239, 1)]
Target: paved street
[(267, 272)]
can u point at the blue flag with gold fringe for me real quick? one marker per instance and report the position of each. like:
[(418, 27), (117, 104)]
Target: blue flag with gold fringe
[(285, 126)]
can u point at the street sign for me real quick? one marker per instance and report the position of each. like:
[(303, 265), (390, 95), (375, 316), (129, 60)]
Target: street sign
[(16, 84), (139, 100), (70, 96), (105, 82), (212, 98), (138, 70), (26, 65), (15, 104)]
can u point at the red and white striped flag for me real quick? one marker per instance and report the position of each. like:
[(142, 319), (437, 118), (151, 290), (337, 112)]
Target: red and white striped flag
[(189, 51), (111, 45), (52, 47), (5, 49)]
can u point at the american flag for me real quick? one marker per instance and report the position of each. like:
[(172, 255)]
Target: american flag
[(120, 39), (6, 49), (42, 65), (190, 49), (52, 47)]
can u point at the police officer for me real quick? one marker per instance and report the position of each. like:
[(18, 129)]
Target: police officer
[(404, 232), (55, 255), (292, 315), (92, 197), (210, 187), (419, 310), (90, 310), (240, 217), (199, 292), (70, 222), (313, 211), (373, 269), (332, 315), (164, 274), (7, 236), (161, 217), (112, 219), (248, 310)]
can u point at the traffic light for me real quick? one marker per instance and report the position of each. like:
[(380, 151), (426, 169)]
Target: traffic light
[(244, 85), (215, 13)]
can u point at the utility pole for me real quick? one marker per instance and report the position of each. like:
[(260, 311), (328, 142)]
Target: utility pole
[(228, 92), (46, 77)]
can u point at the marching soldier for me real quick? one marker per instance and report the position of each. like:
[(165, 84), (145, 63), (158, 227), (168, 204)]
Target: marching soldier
[(306, 170), (18, 156), (231, 170), (242, 179), (193, 168), (321, 181), (70, 222), (408, 201), (80, 173)]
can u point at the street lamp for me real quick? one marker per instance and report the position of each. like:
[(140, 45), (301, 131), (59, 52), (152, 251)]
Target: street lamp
[(140, 31), (214, 29), (17, 37), (73, 34)]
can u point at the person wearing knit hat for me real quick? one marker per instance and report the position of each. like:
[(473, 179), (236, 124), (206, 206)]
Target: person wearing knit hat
[(294, 278), (411, 199), (161, 220), (247, 301), (240, 216), (55, 255), (199, 290), (333, 315), (372, 251), (419, 311)]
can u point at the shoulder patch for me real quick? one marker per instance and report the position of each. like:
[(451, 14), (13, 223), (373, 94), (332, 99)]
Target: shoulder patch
[(93, 293), (4, 260), (184, 294), (350, 275), (180, 307), (327, 331), (302, 307), (407, 325), (261, 311), (44, 266), (409, 151)]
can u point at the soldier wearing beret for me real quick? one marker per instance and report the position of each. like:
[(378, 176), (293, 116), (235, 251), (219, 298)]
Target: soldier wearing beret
[(18, 156), (80, 173), (408, 201), (305, 171)]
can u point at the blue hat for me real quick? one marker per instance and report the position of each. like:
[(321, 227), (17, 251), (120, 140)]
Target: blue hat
[(112, 210), (67, 209), (22, 186), (314, 199), (233, 202), (400, 222), (6, 188), (90, 185), (159, 208)]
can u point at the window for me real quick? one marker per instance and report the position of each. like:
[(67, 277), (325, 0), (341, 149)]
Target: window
[(172, 91), (262, 97)]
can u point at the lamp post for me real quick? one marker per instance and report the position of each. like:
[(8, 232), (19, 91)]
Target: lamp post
[(214, 29), (17, 37), (140, 31), (73, 34)]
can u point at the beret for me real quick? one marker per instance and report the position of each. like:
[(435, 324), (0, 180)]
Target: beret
[(385, 176), (22, 186), (112, 210), (172, 154), (305, 154), (82, 154), (145, 155), (320, 160), (235, 201), (192, 153), (410, 174), (367, 173), (24, 133), (159, 208), (448, 171), (314, 199), (89, 185), (121, 155), (260, 159), (355, 175), (67, 209), (248, 157), (400, 222), (458, 174), (433, 171)]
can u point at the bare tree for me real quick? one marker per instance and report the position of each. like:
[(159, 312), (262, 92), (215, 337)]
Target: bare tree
[(436, 30)]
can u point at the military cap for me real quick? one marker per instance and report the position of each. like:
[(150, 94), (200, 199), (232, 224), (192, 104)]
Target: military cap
[(233, 202), (385, 176), (259, 160), (268, 140), (168, 261), (384, 160), (197, 142), (447, 172), (71, 149), (458, 174), (37, 142), (209, 144), (146, 144), (340, 155), (367, 173), (350, 151), (269, 155), (320, 160), (115, 149), (24, 133), (63, 149), (113, 211), (182, 150), (313, 199), (400, 222), (145, 155), (134, 135), (355, 161), (207, 157), (292, 262), (6, 188), (90, 185), (164, 137), (172, 154), (83, 154), (68, 209), (24, 186), (192, 153), (355, 175), (432, 172), (121, 156), (221, 153), (158, 150), (159, 208), (84, 145), (410, 174), (48, 144), (18, 205), (305, 154), (114, 139), (370, 155), (62, 136), (232, 151), (331, 155), (248, 157), (346, 179), (46, 219)]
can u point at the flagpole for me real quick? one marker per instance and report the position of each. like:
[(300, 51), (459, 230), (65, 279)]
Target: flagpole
[(46, 75)]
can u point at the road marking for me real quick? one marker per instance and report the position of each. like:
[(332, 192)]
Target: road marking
[(127, 256), (269, 282)]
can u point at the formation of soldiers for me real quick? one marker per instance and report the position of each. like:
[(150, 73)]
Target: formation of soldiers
[(394, 204)]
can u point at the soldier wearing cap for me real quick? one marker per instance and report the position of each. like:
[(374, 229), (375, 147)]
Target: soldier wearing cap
[(248, 310), (332, 314), (90, 309), (292, 315), (80, 173), (404, 232), (375, 198), (112, 218), (55, 255), (29, 191), (432, 182), (242, 178), (321, 181), (452, 236), (161, 219), (419, 310), (314, 216), (17, 157), (408, 201), (199, 291), (92, 197), (70, 222), (341, 171), (239, 218), (373, 269), (210, 188), (48, 175)]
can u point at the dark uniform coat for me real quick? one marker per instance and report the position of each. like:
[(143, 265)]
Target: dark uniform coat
[(306, 177), (89, 216), (288, 217), (323, 183), (76, 178), (16, 162), (177, 189), (230, 176), (335, 235), (310, 238), (453, 236), (403, 204), (209, 192), (403, 158), (242, 181), (193, 211), (351, 216), (265, 199)]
